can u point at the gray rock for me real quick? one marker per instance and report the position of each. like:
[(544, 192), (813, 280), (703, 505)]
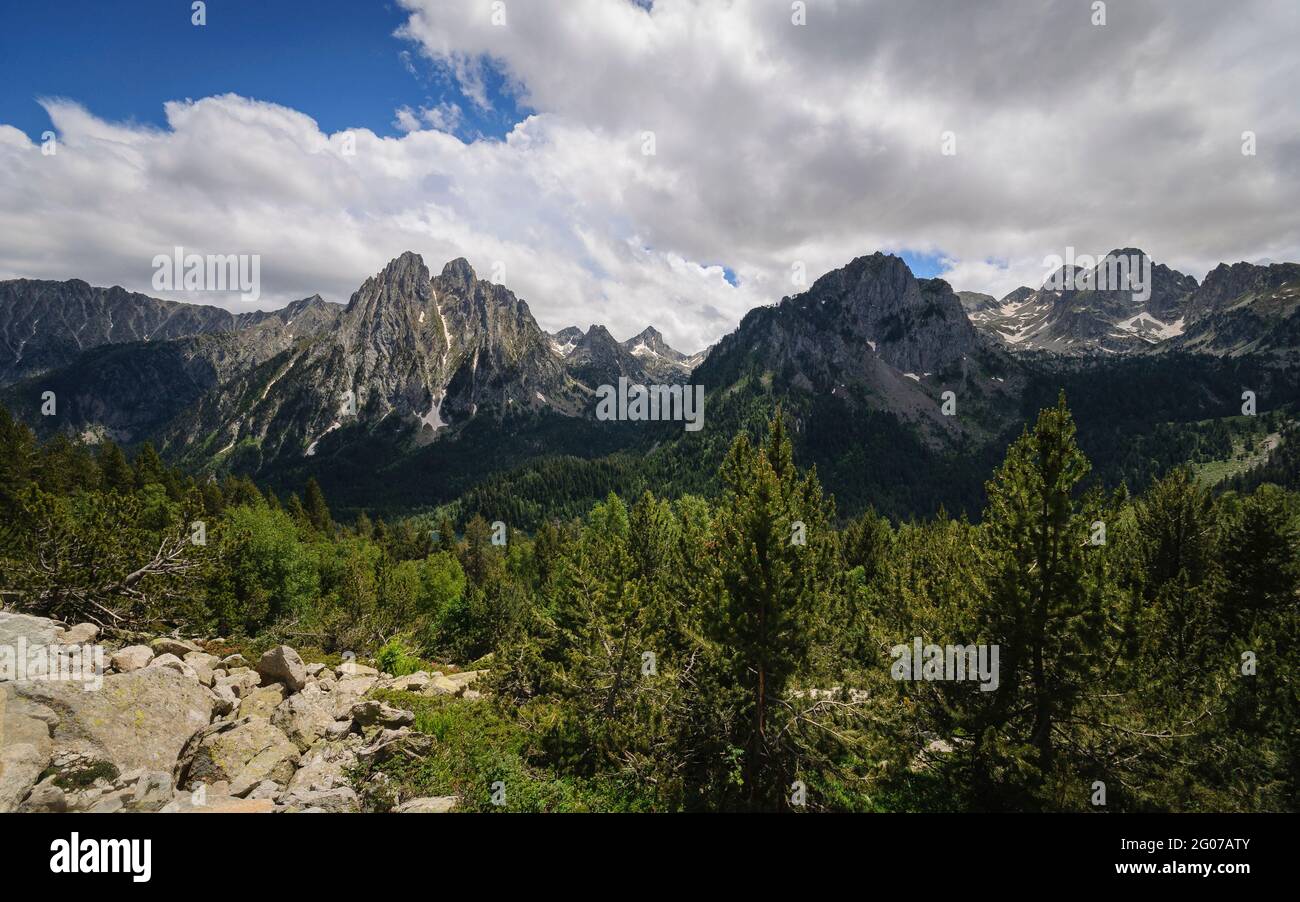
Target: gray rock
[(34, 630), (305, 716), (25, 748), (46, 798), (262, 702), (230, 662), (242, 680), (340, 800), (171, 662), (165, 645), (267, 789), (466, 677), (224, 700), (441, 685), (371, 711), (338, 730), (133, 657), (203, 664), (412, 682), (348, 691), (283, 665), (430, 805), (322, 768), (152, 792), (353, 669), (243, 752), (136, 720), (110, 804), (80, 634)]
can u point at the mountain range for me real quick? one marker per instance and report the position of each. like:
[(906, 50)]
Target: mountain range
[(418, 373), (1238, 309)]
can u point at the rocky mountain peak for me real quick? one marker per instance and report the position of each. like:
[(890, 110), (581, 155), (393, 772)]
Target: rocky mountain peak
[(458, 274), (649, 335)]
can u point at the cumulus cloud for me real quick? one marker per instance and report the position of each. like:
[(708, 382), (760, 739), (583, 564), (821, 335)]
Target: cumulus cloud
[(773, 143)]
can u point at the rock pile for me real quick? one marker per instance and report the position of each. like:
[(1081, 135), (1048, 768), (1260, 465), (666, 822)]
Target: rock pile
[(175, 728)]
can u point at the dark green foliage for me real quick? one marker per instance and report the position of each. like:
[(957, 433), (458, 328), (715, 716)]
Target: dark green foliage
[(687, 654)]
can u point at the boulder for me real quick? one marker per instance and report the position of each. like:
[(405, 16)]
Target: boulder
[(25, 748), (305, 716), (171, 662), (324, 767), (46, 798), (35, 630), (441, 685), (230, 662), (267, 789), (262, 702), (243, 752), (412, 682), (203, 664), (183, 803), (165, 645), (466, 677), (152, 792), (347, 692), (282, 665), (80, 634), (133, 657), (371, 712), (224, 700), (242, 680), (136, 720)]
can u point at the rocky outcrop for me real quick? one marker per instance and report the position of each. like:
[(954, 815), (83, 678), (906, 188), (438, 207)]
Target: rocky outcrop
[(140, 719), (240, 753), (174, 728)]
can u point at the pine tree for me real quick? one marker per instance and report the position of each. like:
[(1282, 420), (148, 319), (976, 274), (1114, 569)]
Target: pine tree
[(117, 473), (364, 527), (446, 534), (17, 454), (477, 559), (1045, 608), (318, 512), (297, 513), (772, 587), (1260, 565)]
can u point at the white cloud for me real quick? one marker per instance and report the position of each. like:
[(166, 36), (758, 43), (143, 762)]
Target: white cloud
[(774, 144)]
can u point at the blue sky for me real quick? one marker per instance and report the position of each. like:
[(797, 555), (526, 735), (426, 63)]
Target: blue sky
[(335, 60)]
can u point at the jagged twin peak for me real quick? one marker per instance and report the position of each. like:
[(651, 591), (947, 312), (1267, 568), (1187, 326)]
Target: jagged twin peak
[(432, 351), (596, 358)]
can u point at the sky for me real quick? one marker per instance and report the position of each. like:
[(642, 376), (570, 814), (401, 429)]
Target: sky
[(629, 162)]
